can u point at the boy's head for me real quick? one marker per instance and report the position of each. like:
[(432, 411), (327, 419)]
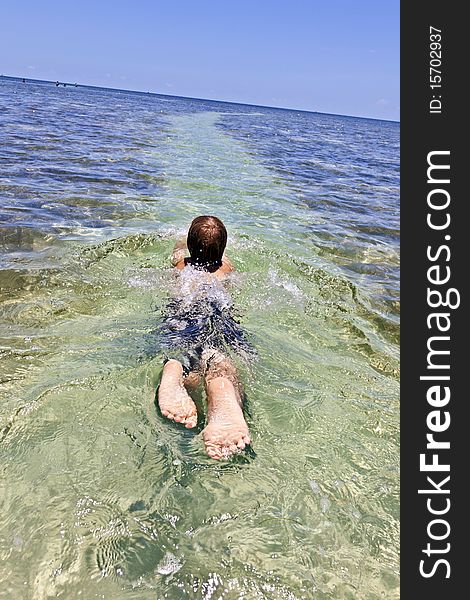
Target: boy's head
[(207, 238)]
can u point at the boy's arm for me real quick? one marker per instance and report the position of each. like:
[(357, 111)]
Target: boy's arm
[(179, 252)]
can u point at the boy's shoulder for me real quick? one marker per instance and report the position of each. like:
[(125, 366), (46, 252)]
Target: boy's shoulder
[(227, 266)]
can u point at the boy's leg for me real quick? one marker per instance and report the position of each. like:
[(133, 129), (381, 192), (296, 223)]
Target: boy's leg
[(173, 399), (191, 381), (226, 432)]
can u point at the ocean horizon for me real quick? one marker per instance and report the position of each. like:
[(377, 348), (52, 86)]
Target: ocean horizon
[(98, 87)]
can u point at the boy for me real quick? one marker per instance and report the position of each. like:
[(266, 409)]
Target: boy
[(201, 321)]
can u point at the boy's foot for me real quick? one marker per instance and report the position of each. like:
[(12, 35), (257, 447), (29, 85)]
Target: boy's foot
[(226, 432), (173, 399)]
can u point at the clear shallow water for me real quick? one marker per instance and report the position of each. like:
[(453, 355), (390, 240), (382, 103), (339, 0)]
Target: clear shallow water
[(100, 496)]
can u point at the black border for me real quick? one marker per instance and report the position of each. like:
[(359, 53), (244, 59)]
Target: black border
[(422, 132)]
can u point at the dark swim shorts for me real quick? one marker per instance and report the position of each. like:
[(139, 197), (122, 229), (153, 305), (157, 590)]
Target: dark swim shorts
[(188, 331)]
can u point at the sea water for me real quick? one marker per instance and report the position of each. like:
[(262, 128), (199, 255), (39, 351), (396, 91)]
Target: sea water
[(100, 496)]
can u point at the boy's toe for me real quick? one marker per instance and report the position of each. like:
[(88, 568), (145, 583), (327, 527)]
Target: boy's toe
[(190, 422), (213, 451)]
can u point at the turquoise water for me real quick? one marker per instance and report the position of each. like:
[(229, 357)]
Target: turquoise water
[(101, 497)]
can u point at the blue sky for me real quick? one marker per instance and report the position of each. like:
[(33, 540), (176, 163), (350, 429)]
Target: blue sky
[(335, 56)]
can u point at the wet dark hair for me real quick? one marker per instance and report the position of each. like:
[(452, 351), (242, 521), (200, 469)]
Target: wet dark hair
[(207, 238)]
